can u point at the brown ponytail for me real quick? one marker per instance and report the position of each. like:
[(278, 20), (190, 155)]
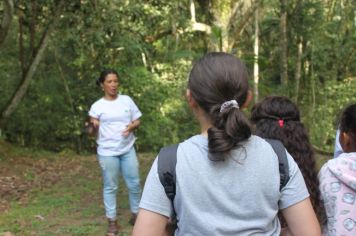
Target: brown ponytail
[(215, 79)]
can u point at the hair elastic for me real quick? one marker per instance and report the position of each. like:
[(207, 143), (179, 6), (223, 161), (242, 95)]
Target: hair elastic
[(228, 105), (281, 123)]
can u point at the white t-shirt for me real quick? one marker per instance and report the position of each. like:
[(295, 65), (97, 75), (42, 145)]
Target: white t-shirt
[(239, 196), (114, 116)]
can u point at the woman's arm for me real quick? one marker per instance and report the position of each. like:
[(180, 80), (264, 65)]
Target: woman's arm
[(149, 223), (131, 127), (93, 126), (301, 220)]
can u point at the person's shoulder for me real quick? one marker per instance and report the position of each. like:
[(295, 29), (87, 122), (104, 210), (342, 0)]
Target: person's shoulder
[(258, 146), (257, 142), (342, 160), (196, 139), (347, 155), (98, 102), (125, 98), (194, 142), (329, 165)]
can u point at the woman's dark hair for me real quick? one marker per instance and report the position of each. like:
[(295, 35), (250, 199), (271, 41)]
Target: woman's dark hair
[(217, 78), (278, 117), (348, 122), (103, 75)]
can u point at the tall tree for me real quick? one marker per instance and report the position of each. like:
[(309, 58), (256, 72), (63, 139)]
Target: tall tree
[(283, 42), (256, 54), (298, 68), (31, 68), (228, 19), (6, 20)]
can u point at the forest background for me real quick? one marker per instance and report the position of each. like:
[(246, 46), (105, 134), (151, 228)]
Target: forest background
[(52, 53)]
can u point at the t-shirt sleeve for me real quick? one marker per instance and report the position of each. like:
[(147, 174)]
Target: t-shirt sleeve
[(295, 190), (153, 197), (94, 112), (135, 112)]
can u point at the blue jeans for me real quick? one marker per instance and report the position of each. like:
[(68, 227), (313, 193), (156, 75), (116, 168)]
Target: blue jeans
[(111, 167)]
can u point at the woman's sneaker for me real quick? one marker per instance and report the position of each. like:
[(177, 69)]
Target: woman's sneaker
[(113, 228)]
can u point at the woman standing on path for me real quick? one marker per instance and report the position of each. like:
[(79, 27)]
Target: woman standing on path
[(227, 180), (114, 117)]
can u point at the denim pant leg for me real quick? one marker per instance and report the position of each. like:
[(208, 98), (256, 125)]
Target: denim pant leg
[(130, 173), (110, 166)]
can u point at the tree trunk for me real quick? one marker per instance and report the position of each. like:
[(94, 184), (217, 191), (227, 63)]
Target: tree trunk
[(71, 104), (197, 26), (192, 11), (6, 20), (30, 71), (312, 81), (255, 65), (230, 16), (238, 22), (284, 43), (21, 47), (330, 10), (298, 68), (32, 28)]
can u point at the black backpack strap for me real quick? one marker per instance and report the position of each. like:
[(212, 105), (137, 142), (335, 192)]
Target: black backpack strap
[(166, 168), (282, 160)]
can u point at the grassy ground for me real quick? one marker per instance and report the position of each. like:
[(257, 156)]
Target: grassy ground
[(43, 193)]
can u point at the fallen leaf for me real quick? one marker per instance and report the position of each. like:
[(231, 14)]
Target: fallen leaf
[(39, 217)]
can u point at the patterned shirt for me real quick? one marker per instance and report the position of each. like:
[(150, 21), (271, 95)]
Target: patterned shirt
[(338, 190)]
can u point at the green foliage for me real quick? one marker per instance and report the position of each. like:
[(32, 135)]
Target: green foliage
[(152, 46), (322, 118)]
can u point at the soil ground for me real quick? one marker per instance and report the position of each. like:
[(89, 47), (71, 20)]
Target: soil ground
[(44, 193)]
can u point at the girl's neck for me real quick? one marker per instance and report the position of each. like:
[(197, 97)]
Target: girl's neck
[(204, 123), (110, 97), (204, 129)]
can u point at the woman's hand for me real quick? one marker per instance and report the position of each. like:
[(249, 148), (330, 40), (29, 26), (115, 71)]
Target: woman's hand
[(95, 122), (131, 127), (93, 126)]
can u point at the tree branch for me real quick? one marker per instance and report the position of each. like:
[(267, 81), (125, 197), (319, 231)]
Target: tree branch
[(236, 29), (23, 86), (197, 26), (6, 20)]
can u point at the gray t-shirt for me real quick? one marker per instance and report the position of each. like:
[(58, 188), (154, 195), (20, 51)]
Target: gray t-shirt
[(239, 196)]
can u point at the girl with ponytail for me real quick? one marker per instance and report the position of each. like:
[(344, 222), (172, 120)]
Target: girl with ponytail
[(227, 180)]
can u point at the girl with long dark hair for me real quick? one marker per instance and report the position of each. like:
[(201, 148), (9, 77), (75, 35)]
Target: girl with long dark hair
[(277, 117)]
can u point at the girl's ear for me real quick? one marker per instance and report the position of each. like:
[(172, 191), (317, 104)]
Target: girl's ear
[(345, 142), (248, 99), (191, 102)]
